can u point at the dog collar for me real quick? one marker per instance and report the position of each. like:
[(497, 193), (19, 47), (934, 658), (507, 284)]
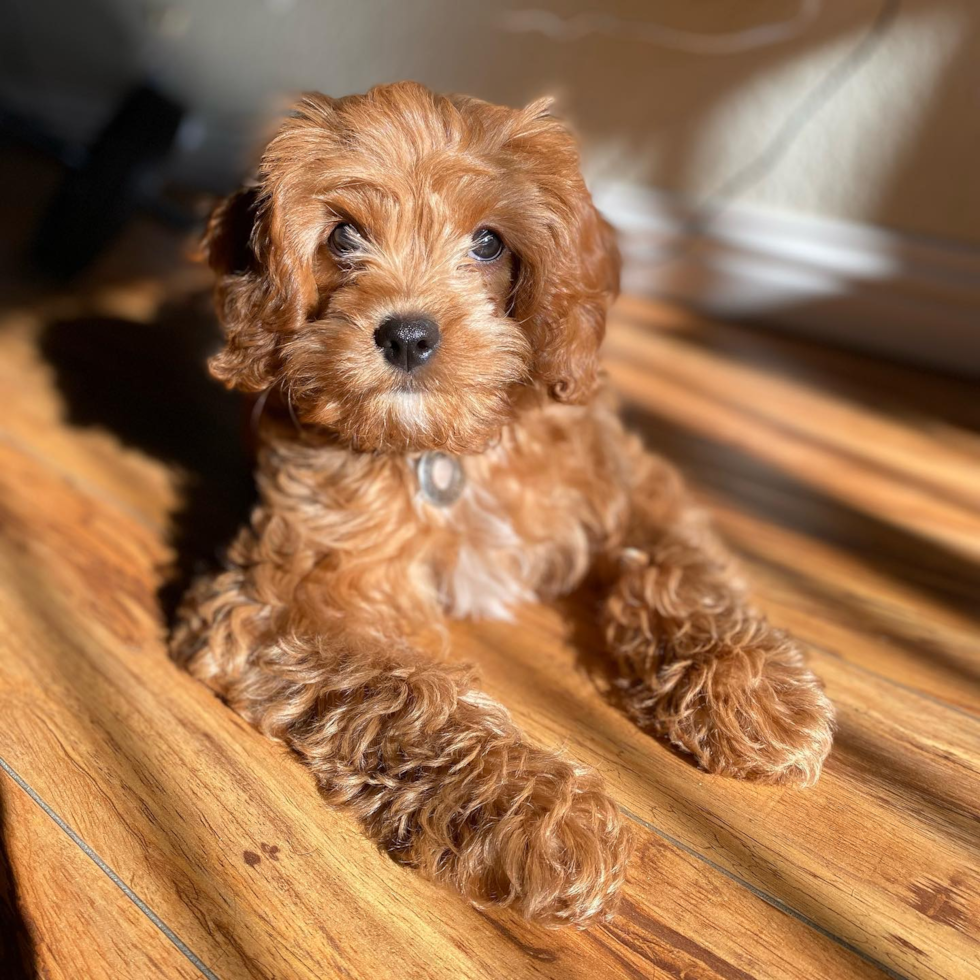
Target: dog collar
[(441, 478)]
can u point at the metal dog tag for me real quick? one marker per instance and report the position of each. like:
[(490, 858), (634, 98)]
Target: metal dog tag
[(441, 478)]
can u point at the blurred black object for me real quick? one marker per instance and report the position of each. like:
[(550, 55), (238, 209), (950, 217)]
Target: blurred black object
[(106, 184)]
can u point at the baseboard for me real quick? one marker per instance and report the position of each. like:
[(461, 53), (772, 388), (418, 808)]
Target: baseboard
[(865, 287)]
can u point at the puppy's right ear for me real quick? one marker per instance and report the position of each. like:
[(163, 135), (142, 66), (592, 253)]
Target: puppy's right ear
[(226, 243), (243, 297)]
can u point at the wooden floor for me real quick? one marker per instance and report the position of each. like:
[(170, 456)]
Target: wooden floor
[(148, 832)]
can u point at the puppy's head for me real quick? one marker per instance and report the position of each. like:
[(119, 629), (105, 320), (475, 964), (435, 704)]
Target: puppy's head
[(407, 262)]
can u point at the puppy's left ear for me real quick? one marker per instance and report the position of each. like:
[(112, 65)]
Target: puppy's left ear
[(582, 291), (569, 261)]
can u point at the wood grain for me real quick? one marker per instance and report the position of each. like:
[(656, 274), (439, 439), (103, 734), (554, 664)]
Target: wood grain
[(854, 456), (858, 521)]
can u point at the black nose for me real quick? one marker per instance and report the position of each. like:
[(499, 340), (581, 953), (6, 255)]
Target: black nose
[(407, 341)]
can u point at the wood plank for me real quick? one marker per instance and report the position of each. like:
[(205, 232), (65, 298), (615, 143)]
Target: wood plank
[(223, 833), (929, 490), (80, 923), (942, 406), (875, 621)]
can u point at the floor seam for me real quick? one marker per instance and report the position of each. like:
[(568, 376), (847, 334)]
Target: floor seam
[(776, 903), (93, 856)]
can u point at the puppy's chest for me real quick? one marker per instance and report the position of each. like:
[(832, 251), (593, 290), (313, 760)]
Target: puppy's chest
[(496, 542), (479, 561)]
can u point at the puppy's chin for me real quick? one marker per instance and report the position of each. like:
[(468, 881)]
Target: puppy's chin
[(403, 421), (458, 423)]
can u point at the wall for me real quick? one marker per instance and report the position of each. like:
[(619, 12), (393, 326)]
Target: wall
[(891, 139)]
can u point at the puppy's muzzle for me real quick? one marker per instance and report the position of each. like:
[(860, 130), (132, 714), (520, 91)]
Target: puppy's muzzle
[(407, 342)]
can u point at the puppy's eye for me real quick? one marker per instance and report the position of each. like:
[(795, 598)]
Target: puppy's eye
[(487, 245), (344, 239)]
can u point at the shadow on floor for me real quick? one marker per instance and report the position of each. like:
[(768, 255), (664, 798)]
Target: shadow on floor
[(760, 489), (147, 384), (882, 386), (17, 953)]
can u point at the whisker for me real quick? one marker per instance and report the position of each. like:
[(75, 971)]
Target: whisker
[(257, 409)]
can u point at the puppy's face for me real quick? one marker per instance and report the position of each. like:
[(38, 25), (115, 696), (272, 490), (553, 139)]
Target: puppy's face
[(407, 262)]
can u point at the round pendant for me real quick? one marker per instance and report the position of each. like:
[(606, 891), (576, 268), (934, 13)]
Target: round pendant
[(441, 478)]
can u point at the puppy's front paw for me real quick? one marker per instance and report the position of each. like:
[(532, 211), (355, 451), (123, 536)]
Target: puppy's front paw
[(539, 835), (558, 854), (755, 713)]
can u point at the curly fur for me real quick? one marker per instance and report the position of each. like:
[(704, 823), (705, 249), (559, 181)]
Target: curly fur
[(326, 629)]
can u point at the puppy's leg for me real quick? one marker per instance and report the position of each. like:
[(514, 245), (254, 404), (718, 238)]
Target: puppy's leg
[(225, 614), (436, 771), (701, 666)]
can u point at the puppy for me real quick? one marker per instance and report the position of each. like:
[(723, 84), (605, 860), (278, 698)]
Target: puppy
[(416, 290)]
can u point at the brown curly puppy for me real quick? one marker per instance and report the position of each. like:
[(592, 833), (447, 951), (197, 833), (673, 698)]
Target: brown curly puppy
[(416, 287)]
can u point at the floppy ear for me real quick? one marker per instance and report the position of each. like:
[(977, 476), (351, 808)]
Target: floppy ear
[(261, 243), (569, 265), (262, 292), (578, 292), (241, 294)]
